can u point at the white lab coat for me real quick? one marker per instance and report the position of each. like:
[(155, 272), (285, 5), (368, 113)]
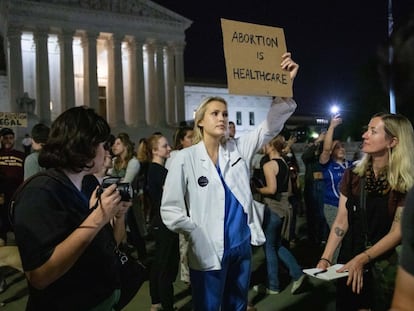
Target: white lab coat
[(194, 184)]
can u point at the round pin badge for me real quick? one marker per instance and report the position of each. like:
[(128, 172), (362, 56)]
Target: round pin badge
[(203, 181)]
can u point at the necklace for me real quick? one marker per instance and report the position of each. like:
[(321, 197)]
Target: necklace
[(376, 185)]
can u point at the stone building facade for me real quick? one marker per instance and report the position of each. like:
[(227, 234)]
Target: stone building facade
[(124, 58)]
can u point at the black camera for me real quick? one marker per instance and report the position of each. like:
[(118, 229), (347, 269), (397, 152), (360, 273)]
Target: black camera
[(125, 189)]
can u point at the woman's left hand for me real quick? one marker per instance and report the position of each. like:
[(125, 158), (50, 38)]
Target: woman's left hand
[(289, 65), (355, 268)]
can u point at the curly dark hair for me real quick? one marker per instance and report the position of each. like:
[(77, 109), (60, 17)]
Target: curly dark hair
[(73, 139)]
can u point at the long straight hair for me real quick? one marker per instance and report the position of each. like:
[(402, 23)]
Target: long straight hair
[(129, 145)]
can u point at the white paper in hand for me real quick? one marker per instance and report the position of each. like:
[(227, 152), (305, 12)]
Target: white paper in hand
[(329, 274)]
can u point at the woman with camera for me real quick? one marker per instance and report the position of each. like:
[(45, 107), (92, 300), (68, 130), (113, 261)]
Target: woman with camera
[(164, 269), (64, 238)]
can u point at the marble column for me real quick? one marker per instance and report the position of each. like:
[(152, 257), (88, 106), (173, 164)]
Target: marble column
[(151, 85), (179, 81), (116, 116), (159, 66), (67, 76), (14, 67), (140, 80), (169, 85), (135, 109), (90, 67), (42, 76)]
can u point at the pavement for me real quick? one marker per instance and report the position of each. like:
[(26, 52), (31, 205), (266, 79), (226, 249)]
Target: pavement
[(315, 295)]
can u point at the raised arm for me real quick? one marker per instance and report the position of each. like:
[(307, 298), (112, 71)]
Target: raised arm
[(280, 110), (309, 154), (327, 143)]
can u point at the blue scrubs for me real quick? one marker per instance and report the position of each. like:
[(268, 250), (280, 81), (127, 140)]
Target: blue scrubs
[(227, 289)]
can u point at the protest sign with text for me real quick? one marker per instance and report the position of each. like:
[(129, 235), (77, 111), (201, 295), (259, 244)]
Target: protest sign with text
[(253, 55), (13, 119)]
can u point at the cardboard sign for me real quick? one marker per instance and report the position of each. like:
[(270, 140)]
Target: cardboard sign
[(13, 119), (253, 55)]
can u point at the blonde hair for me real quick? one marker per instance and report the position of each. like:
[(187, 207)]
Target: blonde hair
[(141, 151), (146, 146), (400, 165), (199, 115)]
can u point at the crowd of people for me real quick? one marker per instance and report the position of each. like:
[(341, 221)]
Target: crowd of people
[(206, 208)]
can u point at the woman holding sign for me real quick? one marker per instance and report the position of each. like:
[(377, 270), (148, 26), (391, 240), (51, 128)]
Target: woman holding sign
[(207, 199)]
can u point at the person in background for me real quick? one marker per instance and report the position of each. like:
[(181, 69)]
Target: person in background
[(276, 223), (313, 192), (183, 138), (27, 144), (333, 161), (126, 165), (367, 225), (295, 197), (66, 242), (257, 179), (11, 176), (142, 186), (164, 268), (232, 129), (210, 180), (40, 133)]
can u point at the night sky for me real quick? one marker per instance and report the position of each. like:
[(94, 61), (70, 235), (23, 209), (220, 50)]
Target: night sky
[(331, 40)]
